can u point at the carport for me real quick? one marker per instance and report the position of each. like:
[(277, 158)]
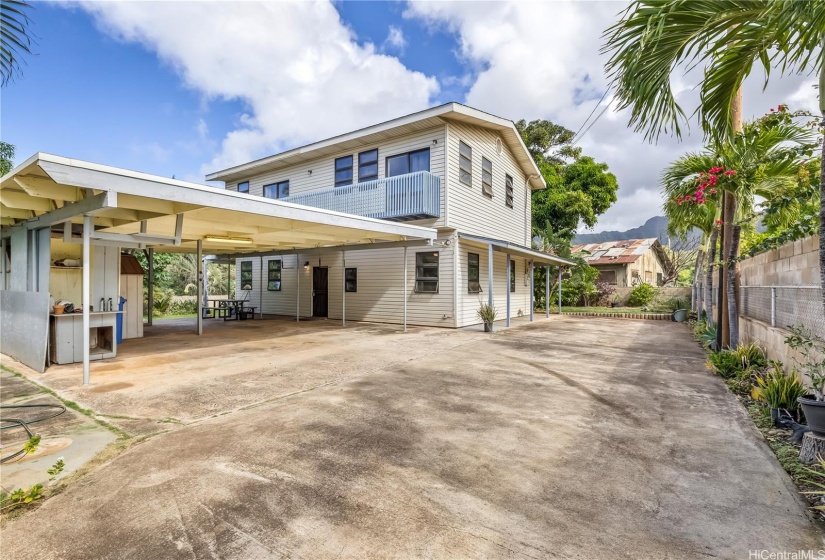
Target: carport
[(52, 197)]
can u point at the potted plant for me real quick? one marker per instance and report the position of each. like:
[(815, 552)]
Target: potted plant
[(810, 357), (487, 313), (780, 391)]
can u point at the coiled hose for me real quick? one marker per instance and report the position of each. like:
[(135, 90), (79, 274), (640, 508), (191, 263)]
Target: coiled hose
[(14, 422)]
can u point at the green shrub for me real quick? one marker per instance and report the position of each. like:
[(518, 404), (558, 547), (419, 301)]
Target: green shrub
[(727, 364), (184, 307), (752, 356), (778, 389), (163, 301), (641, 295), (673, 303)]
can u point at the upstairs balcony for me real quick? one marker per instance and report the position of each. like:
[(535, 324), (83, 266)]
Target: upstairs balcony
[(414, 196)]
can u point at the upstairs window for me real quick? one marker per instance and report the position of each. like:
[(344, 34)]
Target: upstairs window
[(351, 279), (273, 283), (512, 276), (473, 282), (246, 275), (368, 166), (277, 190), (486, 176), (343, 171), (426, 273), (465, 164), (243, 187), (411, 162), (508, 191)]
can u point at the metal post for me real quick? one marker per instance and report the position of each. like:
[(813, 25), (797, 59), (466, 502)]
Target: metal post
[(87, 293), (151, 298), (546, 292), (507, 288), (201, 293), (261, 288), (490, 275), (297, 287), (3, 285), (343, 288), (228, 280), (559, 290), (404, 291), (204, 272), (532, 292), (773, 306)]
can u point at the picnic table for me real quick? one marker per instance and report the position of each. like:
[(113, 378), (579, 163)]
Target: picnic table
[(228, 309)]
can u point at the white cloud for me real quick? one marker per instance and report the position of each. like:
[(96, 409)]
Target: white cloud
[(540, 60), (395, 39), (298, 68)]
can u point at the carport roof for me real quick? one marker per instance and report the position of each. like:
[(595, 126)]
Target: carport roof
[(151, 210), (502, 246)]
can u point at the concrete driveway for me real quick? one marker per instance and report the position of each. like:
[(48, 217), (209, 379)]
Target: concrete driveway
[(567, 438)]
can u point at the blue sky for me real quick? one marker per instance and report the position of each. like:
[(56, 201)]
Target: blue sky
[(187, 88), (115, 102)]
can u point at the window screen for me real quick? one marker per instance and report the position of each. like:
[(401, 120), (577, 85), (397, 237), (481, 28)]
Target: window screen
[(508, 191), (273, 283), (368, 166), (465, 163), (343, 171), (246, 275), (486, 176), (473, 283), (351, 279), (426, 273)]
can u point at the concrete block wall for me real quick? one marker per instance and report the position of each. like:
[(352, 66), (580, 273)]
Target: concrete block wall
[(793, 264), (623, 293)]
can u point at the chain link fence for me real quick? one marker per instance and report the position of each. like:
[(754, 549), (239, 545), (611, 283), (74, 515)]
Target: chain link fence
[(781, 306)]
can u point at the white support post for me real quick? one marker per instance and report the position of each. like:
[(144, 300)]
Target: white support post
[(507, 287), (532, 290), (87, 292), (297, 287), (404, 291), (201, 275), (261, 286), (343, 288), (151, 298), (205, 269), (559, 290), (3, 285), (490, 275), (546, 292)]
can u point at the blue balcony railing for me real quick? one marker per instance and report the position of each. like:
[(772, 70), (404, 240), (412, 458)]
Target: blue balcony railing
[(413, 196)]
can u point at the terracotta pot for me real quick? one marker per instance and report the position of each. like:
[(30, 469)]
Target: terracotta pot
[(58, 310)]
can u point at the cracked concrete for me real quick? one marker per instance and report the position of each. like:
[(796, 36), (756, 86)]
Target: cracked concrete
[(566, 438)]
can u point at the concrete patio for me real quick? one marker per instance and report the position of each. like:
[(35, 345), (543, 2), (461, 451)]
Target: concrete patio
[(567, 437)]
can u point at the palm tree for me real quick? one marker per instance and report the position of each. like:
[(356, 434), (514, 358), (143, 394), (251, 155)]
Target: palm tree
[(765, 158), (725, 37), (15, 39)]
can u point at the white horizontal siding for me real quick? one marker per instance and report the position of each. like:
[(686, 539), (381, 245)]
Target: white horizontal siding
[(320, 173), (470, 210), (468, 303), (381, 290)]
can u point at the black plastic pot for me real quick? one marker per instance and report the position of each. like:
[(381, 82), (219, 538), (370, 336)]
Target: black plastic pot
[(814, 413), (488, 327)]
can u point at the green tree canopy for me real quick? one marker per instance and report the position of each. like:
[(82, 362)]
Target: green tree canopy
[(6, 157), (579, 189)]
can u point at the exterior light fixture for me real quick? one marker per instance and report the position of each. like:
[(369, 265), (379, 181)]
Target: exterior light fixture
[(229, 240), (306, 265)]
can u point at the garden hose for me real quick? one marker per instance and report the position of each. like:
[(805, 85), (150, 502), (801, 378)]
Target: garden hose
[(15, 422)]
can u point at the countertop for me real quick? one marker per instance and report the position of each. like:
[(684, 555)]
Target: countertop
[(81, 314)]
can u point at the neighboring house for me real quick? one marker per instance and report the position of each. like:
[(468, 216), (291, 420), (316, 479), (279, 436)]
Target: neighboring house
[(453, 168), (626, 263)]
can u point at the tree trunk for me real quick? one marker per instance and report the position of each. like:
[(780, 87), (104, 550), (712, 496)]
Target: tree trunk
[(733, 311), (728, 215), (714, 237), (822, 185), (813, 447), (697, 278)]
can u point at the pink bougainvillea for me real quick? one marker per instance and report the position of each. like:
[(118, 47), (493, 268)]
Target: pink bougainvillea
[(706, 184)]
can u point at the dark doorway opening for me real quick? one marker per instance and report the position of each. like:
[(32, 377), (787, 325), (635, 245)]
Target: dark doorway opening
[(320, 292)]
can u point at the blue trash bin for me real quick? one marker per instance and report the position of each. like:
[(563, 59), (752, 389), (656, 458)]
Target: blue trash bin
[(120, 320)]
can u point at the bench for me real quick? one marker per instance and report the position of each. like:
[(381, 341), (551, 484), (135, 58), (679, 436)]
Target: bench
[(246, 312)]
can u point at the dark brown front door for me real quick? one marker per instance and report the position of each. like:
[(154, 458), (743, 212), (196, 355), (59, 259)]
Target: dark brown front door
[(320, 292)]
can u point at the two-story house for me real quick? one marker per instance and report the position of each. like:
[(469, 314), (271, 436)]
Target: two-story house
[(459, 170)]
